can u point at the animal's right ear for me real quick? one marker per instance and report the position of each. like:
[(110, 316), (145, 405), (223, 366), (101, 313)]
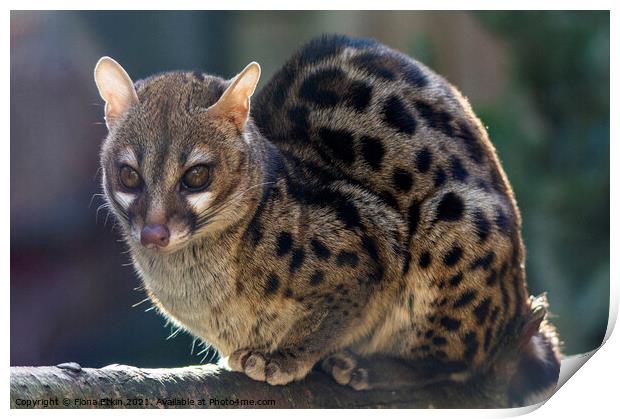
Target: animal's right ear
[(115, 87), (234, 104)]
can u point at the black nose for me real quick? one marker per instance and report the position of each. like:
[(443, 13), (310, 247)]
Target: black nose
[(155, 235)]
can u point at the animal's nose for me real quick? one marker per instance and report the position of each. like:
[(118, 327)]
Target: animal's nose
[(155, 235)]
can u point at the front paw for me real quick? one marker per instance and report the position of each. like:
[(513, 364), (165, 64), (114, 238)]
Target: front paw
[(275, 368)]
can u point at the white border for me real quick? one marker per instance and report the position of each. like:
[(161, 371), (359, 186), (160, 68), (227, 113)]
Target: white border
[(593, 392)]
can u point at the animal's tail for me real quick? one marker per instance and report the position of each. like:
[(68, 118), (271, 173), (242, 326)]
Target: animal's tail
[(538, 366)]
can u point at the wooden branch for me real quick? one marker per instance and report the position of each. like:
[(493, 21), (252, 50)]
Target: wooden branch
[(70, 386)]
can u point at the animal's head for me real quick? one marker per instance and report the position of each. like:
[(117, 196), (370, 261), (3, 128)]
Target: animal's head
[(177, 158)]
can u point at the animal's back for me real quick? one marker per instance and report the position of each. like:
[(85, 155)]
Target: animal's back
[(355, 111), (358, 110)]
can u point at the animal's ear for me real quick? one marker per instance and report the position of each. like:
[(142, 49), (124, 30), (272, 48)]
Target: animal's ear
[(115, 87), (235, 101)]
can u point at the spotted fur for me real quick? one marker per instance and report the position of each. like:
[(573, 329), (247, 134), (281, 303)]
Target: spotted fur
[(365, 209)]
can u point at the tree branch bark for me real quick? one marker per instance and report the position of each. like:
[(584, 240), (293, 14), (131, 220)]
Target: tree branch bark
[(70, 386)]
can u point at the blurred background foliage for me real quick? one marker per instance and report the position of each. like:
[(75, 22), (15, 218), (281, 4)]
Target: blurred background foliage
[(538, 80)]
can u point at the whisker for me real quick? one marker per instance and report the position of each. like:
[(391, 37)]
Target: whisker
[(140, 302), (95, 195), (173, 334), (105, 222), (97, 174), (102, 206)]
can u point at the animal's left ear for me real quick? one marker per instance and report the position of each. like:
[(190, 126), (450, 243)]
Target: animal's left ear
[(235, 101)]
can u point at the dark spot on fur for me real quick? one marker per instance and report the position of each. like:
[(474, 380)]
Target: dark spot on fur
[(412, 73), (501, 220), (358, 95), (288, 293), (482, 310), (272, 284), (371, 247), (453, 256), (456, 279), (492, 278), (413, 217), (450, 207), (396, 115), (424, 160), (402, 180), (473, 144), (340, 142), (285, 241), (450, 323), (483, 227), (484, 262), (457, 169), (297, 259), (464, 299), (425, 260), (320, 88), (255, 231), (435, 118), (345, 258), (348, 214), (317, 277), (439, 341), (320, 250), (373, 64), (440, 177), (372, 151)]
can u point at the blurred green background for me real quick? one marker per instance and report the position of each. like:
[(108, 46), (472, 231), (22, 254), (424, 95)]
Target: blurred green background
[(538, 80)]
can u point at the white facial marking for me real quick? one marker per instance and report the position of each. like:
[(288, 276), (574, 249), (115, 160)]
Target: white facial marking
[(197, 155), (128, 157), (124, 198), (199, 201)]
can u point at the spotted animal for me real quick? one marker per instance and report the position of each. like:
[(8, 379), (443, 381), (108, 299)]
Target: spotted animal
[(352, 213)]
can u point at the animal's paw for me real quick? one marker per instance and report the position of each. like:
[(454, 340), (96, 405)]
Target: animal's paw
[(344, 368), (275, 368)]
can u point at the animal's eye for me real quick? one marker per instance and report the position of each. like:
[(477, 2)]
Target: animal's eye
[(195, 178), (130, 178)]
